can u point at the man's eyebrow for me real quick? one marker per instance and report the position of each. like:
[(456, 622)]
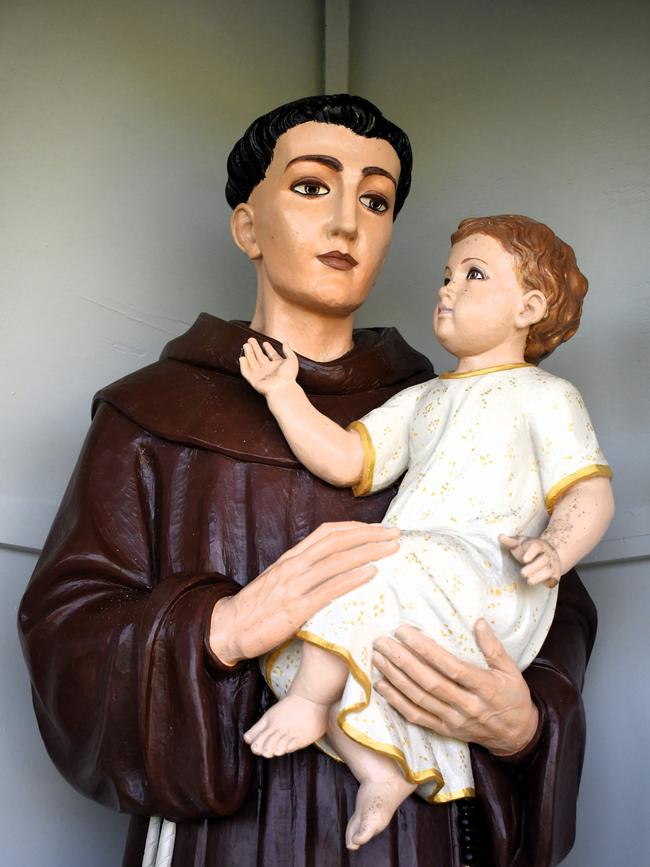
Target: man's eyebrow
[(376, 170), (330, 162)]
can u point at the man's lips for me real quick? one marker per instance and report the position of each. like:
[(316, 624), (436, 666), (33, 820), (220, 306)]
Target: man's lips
[(339, 261)]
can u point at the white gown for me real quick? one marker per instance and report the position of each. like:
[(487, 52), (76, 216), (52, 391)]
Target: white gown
[(485, 453)]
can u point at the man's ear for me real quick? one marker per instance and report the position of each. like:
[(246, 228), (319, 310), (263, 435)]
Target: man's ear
[(242, 226), (534, 308)]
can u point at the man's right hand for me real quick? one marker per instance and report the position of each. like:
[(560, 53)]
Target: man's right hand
[(332, 560)]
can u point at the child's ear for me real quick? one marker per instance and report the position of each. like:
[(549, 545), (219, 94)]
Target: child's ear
[(242, 226), (534, 308)]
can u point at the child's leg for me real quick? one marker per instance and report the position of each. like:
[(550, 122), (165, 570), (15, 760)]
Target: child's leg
[(382, 786), (300, 718)]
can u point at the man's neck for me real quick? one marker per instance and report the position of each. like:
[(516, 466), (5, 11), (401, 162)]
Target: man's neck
[(309, 332)]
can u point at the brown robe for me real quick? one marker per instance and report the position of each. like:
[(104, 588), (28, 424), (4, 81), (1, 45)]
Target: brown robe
[(184, 491)]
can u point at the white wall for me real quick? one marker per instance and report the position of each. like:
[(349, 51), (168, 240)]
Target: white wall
[(116, 121), (542, 109)]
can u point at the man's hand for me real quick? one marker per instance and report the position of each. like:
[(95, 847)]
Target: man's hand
[(265, 368), (541, 560), (332, 560), (431, 687)]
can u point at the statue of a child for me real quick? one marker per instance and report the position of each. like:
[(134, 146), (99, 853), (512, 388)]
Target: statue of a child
[(489, 450)]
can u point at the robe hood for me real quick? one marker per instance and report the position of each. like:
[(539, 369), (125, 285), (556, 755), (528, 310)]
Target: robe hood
[(196, 394)]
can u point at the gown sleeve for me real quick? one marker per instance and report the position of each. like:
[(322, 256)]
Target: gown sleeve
[(564, 439), (132, 710), (385, 436)]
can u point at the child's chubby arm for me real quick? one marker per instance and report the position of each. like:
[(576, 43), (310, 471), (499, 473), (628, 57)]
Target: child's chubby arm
[(578, 523), (324, 447)]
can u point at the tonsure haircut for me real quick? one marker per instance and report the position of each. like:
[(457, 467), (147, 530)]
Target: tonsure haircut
[(544, 262), (252, 154)]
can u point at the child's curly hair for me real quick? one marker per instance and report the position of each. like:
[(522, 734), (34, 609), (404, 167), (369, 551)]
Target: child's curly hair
[(544, 262)]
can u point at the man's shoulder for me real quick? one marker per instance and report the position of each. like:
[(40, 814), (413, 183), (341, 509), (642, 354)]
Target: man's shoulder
[(183, 403)]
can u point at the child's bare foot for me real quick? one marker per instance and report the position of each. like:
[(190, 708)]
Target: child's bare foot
[(291, 724), (375, 806)]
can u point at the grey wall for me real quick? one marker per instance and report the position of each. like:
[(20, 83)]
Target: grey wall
[(515, 106), (115, 124), (116, 121)]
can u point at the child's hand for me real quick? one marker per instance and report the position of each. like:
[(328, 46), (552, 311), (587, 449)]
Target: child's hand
[(265, 369), (541, 560)]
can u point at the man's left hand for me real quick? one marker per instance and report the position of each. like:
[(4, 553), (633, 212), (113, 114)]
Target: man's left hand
[(431, 687)]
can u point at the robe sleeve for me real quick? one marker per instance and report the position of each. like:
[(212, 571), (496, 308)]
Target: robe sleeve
[(132, 711), (530, 799), (385, 436)]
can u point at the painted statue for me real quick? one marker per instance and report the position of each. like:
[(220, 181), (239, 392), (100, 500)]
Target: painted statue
[(191, 541), (489, 450)]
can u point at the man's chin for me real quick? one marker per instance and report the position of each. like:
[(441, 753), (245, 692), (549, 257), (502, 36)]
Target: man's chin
[(335, 305)]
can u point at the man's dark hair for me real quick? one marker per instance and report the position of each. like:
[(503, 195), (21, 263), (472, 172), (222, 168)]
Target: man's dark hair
[(252, 155)]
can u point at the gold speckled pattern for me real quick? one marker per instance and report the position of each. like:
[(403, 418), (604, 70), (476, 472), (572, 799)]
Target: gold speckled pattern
[(482, 454)]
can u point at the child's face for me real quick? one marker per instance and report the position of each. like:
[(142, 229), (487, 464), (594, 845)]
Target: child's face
[(480, 298)]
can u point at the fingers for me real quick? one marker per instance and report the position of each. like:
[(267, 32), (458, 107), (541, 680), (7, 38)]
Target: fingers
[(335, 538), (265, 352), (462, 673), (492, 649), (335, 564), (245, 367), (271, 352), (533, 549), (541, 564), (515, 544), (412, 690), (542, 576), (337, 586), (255, 350), (428, 676), (288, 352), (410, 711)]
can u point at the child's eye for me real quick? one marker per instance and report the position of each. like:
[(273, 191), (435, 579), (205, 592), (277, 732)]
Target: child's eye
[(475, 273), (310, 189), (377, 204), (446, 281)]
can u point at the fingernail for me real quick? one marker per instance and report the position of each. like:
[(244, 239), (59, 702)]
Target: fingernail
[(379, 645)]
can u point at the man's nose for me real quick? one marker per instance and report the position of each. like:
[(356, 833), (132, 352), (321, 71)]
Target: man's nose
[(344, 219)]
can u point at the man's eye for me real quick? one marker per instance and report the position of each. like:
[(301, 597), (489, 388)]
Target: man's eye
[(310, 188), (475, 273), (377, 204)]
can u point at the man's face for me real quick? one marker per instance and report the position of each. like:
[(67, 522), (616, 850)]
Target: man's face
[(323, 217), (480, 298)]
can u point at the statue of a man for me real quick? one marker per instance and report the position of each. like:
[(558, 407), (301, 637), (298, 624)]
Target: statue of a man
[(190, 542)]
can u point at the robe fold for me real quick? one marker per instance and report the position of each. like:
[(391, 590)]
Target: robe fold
[(185, 490)]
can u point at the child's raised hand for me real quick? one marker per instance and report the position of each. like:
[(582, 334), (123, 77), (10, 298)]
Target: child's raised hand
[(541, 560), (266, 369)]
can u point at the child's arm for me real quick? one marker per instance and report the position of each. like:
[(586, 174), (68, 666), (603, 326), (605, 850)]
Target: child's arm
[(578, 523), (324, 447)]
